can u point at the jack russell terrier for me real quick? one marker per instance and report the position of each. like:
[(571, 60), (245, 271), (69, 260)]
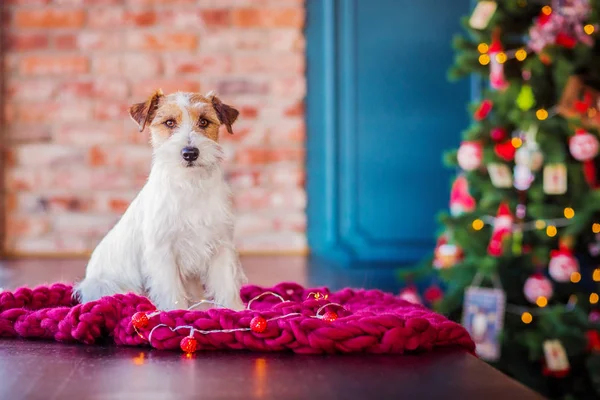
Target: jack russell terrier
[(174, 243)]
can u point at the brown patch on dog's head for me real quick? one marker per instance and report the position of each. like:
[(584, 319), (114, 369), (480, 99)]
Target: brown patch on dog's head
[(143, 113), (193, 112), (227, 114)]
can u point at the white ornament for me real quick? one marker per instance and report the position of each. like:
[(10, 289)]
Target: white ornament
[(529, 156), (411, 296), (470, 155), (523, 177), (583, 145), (537, 286), (562, 265)]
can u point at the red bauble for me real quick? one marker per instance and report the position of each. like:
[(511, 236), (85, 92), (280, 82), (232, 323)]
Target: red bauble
[(583, 145), (470, 155), (593, 341), (433, 294), (140, 320), (562, 265), (483, 110), (497, 134), (188, 344), (258, 324), (505, 150), (537, 286), (330, 316)]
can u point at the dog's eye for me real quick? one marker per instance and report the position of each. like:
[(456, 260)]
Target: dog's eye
[(203, 122), (170, 123)]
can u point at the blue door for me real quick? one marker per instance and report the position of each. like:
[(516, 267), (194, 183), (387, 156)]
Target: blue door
[(380, 112)]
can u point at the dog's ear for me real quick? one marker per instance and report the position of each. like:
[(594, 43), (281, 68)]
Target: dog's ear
[(227, 114), (142, 113)]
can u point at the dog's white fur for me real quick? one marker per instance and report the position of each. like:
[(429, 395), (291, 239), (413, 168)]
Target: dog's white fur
[(174, 243)]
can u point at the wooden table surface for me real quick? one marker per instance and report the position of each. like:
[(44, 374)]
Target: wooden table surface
[(44, 370)]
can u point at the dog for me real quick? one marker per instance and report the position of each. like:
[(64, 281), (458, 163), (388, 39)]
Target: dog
[(174, 243)]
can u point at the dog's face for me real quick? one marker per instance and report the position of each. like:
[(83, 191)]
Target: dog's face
[(184, 127)]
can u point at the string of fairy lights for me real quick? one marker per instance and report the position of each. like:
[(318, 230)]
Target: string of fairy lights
[(258, 324), (551, 225)]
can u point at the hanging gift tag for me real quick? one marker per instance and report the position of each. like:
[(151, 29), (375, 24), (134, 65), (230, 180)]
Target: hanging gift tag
[(482, 14), (483, 317), (500, 175), (555, 355), (555, 179)]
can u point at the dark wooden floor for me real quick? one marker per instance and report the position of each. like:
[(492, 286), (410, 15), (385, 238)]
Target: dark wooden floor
[(41, 370)]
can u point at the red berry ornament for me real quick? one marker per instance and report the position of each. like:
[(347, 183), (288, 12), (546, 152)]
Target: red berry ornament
[(188, 344), (258, 324), (330, 316), (140, 320)]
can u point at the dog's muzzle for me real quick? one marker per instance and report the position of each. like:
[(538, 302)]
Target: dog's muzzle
[(190, 154)]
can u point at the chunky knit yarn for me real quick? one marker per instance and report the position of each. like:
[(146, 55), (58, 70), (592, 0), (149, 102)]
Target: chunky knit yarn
[(368, 321)]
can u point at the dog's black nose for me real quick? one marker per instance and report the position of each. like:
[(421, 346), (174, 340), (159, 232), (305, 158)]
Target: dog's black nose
[(190, 153)]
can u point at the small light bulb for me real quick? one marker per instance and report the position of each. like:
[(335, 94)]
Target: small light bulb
[(540, 224), (575, 277), (521, 54), (516, 142), (541, 114), (596, 228), (594, 298), (478, 224), (589, 29), (526, 317), (551, 231), (483, 48), (547, 10), (501, 57), (596, 275), (484, 59), (541, 301), (569, 213)]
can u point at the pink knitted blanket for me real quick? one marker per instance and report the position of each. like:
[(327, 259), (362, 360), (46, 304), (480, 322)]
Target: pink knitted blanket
[(366, 321)]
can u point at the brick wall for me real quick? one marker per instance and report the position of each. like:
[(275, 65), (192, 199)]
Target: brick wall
[(74, 159)]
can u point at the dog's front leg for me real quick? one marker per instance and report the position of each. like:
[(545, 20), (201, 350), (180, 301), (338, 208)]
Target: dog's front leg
[(225, 278), (165, 287)]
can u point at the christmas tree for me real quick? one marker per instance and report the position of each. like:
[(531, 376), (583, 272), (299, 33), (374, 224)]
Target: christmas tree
[(519, 253)]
